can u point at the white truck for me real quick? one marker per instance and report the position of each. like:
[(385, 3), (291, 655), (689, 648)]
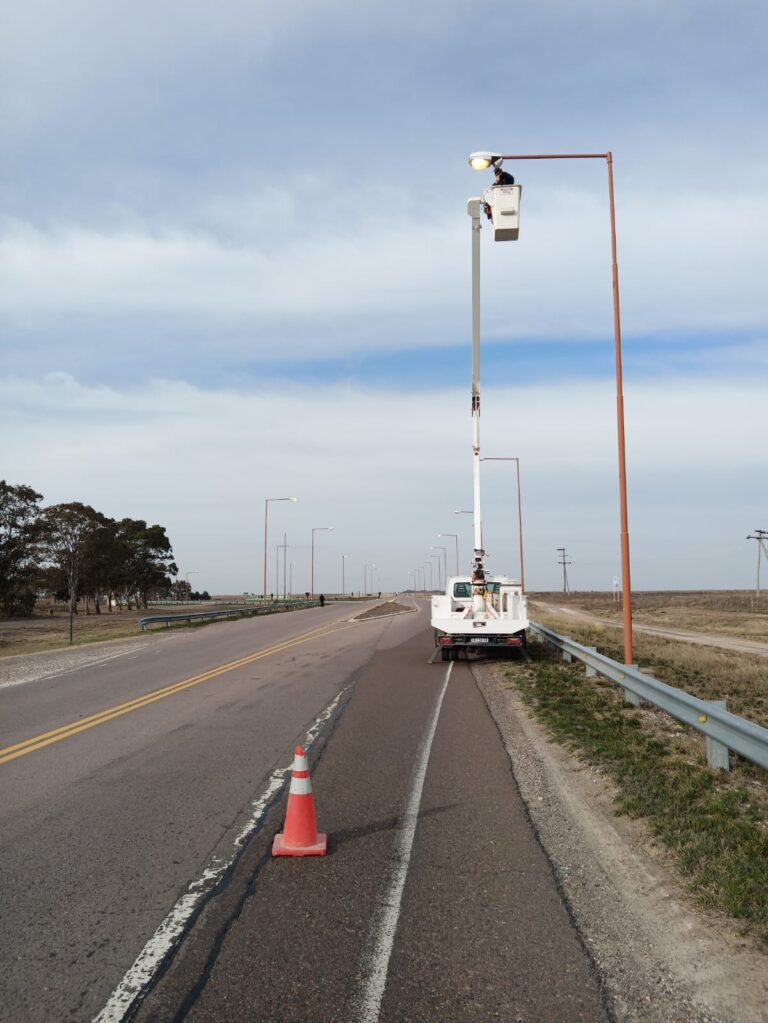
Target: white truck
[(479, 611), (496, 628)]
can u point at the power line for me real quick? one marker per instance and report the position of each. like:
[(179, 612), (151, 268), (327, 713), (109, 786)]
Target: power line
[(760, 535), (563, 563)]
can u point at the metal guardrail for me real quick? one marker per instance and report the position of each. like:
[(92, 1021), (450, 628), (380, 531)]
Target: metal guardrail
[(724, 731), (231, 612)]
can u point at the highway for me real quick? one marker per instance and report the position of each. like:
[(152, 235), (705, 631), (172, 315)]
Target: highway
[(140, 798)]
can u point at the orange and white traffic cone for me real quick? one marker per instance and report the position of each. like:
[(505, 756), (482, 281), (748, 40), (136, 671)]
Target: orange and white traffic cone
[(300, 837)]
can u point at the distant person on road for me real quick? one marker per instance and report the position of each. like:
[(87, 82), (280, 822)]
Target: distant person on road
[(322, 600)]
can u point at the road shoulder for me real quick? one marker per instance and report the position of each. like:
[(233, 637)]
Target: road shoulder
[(661, 959)]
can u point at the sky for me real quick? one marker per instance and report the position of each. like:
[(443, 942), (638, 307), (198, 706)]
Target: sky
[(235, 264)]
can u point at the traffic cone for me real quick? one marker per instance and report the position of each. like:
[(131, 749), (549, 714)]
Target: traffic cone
[(300, 837)]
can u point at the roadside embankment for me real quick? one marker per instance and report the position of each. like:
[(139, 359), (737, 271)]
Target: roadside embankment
[(663, 861)]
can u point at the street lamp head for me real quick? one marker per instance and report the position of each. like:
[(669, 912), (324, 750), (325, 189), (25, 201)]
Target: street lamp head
[(482, 161), (294, 499)]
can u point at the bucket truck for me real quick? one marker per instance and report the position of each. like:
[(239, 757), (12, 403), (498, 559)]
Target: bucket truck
[(481, 611)]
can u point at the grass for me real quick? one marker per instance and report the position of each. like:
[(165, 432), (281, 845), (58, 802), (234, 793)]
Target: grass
[(706, 672), (44, 631), (712, 823)]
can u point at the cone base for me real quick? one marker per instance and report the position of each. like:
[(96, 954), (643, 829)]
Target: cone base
[(318, 848)]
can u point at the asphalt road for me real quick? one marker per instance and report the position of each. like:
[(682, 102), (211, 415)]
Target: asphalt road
[(104, 823), (465, 924), (435, 901)]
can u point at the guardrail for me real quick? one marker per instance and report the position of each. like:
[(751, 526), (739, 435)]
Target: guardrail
[(724, 731), (231, 612)]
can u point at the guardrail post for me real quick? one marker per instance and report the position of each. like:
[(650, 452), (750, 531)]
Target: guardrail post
[(567, 655), (629, 696), (718, 754), (591, 672)]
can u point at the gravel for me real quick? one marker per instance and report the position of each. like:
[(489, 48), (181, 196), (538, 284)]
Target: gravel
[(23, 668)]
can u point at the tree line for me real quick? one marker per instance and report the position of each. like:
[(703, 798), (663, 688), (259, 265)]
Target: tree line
[(76, 553)]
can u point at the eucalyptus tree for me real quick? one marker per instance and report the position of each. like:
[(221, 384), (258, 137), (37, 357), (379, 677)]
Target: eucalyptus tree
[(19, 512)]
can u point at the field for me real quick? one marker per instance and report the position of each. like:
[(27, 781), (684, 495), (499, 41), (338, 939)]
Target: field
[(727, 612), (48, 628), (703, 671)]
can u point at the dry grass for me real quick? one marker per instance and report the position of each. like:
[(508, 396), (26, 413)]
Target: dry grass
[(729, 612), (715, 824), (703, 671), (46, 631)]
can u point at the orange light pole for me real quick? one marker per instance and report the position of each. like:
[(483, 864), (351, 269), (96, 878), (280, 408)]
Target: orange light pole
[(625, 574), (489, 458)]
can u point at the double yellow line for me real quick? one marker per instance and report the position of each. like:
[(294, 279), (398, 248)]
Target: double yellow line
[(20, 749)]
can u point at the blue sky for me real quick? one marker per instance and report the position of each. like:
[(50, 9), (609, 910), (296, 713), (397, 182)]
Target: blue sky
[(220, 204)]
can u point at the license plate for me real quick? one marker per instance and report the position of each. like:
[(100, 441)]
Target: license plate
[(479, 639)]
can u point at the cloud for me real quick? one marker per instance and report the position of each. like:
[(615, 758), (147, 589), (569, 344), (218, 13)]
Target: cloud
[(383, 280), (388, 469)]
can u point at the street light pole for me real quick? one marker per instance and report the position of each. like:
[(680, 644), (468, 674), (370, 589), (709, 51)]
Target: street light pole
[(343, 585), (316, 529), (519, 512), (456, 541), (365, 577), (266, 515), (284, 548), (445, 563), (438, 559), (482, 161)]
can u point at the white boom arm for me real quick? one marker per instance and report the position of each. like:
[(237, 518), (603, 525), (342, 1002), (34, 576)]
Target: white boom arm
[(478, 570)]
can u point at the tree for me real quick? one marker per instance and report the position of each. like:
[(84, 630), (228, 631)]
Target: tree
[(148, 558), (65, 531), (19, 511)]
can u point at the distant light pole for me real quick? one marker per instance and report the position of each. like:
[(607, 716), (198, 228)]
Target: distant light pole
[(428, 564), (464, 512), (343, 584), (316, 529), (290, 577), (438, 559), (266, 516), (519, 511), (284, 548), (445, 563), (365, 577), (456, 541), (189, 593), (486, 160)]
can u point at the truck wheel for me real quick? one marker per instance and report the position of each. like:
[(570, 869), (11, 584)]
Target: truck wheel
[(445, 653)]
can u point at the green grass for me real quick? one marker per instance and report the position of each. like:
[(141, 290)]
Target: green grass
[(717, 834)]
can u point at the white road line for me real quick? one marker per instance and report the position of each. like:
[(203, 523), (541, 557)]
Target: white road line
[(367, 1004), (151, 957)]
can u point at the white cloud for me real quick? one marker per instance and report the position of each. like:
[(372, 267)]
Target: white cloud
[(387, 470), (685, 267)]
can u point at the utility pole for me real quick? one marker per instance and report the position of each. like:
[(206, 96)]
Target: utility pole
[(563, 562), (761, 535)]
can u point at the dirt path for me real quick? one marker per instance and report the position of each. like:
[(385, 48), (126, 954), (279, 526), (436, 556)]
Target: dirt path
[(744, 646)]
